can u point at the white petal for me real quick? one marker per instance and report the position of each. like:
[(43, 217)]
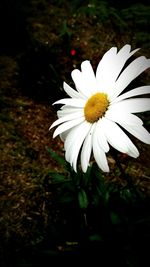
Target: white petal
[(131, 105), (80, 83), (74, 142), (111, 65), (66, 110), (63, 135), (135, 92), (104, 68), (118, 139), (71, 92), (74, 102), (70, 140), (89, 78), (68, 117), (87, 149), (134, 69), (67, 125), (100, 136), (74, 134), (139, 132), (100, 156), (120, 117)]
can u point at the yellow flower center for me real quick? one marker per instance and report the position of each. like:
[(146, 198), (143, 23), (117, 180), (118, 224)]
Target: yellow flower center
[(96, 107)]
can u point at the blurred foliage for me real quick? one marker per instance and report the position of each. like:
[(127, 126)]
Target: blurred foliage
[(138, 17), (101, 212), (135, 17), (91, 188), (88, 27)]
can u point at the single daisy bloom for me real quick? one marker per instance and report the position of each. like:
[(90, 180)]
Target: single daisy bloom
[(96, 113)]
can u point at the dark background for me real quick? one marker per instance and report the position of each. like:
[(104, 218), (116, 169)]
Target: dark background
[(36, 224)]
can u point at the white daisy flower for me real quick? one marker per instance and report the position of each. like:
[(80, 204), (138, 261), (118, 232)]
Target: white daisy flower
[(89, 121)]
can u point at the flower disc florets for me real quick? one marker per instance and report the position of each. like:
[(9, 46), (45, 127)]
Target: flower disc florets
[(96, 107)]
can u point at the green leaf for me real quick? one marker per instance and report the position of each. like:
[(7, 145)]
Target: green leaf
[(66, 198), (55, 156), (57, 177), (82, 198), (115, 218), (95, 237), (65, 30)]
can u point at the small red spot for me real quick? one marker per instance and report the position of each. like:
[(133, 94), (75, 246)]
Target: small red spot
[(73, 52)]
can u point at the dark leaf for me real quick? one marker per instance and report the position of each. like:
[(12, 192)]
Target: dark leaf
[(83, 200)]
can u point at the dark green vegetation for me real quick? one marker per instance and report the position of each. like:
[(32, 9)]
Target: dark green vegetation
[(47, 211)]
